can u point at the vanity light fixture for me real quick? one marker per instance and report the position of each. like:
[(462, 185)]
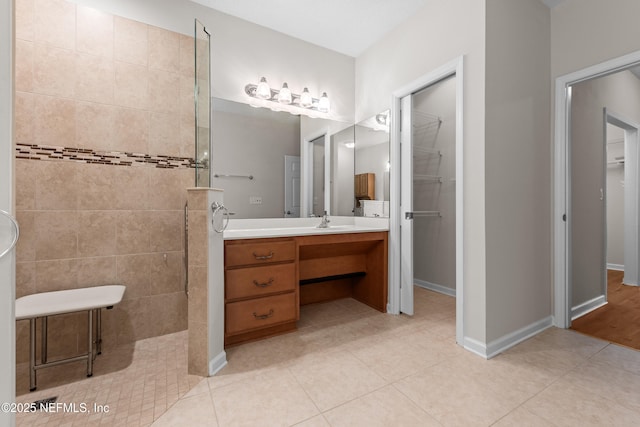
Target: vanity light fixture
[(285, 100), (284, 97)]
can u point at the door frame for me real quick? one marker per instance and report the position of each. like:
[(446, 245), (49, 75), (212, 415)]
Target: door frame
[(453, 67), (7, 183), (306, 172), (562, 179)]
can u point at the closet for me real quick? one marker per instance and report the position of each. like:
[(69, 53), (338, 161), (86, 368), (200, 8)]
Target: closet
[(434, 187)]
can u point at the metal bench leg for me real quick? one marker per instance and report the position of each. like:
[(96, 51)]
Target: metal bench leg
[(32, 354), (90, 343), (43, 357), (99, 331)]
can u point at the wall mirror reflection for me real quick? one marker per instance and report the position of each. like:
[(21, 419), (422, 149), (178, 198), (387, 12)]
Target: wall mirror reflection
[(371, 180), (257, 160)]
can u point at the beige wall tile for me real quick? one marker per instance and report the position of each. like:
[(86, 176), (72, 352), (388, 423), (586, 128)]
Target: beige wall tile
[(167, 189), (24, 15), (167, 273), (198, 200), (131, 131), (94, 32), (56, 185), (95, 79), (131, 85), (24, 129), (198, 354), (55, 23), (24, 66), (56, 234), (134, 272), (132, 232), (54, 70), (164, 90), (25, 278), (187, 60), (166, 230), (95, 125), (96, 190), (130, 186), (96, 233), (171, 312), (26, 246), (198, 295), (198, 243), (164, 49), (130, 41), (25, 185), (96, 271), (55, 122), (187, 98), (187, 142), (164, 134), (56, 275)]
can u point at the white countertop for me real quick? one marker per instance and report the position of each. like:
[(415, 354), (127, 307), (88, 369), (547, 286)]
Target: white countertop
[(287, 227)]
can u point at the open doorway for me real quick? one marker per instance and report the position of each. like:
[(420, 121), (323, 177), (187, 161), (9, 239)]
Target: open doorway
[(602, 206), (426, 220)]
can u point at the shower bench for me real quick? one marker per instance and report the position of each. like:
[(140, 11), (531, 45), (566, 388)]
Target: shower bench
[(46, 304)]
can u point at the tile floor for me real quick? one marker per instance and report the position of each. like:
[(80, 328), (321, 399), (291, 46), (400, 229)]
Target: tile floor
[(348, 365)]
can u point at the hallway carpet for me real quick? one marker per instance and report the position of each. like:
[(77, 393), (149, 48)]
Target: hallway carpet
[(619, 320)]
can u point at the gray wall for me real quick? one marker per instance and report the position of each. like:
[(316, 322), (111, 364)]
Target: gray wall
[(253, 142), (434, 239), (588, 175), (517, 165), (373, 159)]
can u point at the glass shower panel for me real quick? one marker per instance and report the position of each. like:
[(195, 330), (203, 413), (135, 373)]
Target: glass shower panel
[(202, 105)]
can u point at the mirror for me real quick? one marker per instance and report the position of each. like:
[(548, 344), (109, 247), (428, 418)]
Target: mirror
[(371, 182), (257, 161), (342, 172)]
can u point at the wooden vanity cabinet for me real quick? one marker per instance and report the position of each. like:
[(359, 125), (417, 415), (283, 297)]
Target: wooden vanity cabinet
[(261, 292)]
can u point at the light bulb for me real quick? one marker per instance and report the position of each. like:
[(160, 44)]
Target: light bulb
[(284, 97), (263, 91), (323, 104), (306, 100), (350, 144)]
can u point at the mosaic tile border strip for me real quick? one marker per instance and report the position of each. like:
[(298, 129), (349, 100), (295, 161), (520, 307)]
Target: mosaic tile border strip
[(113, 158)]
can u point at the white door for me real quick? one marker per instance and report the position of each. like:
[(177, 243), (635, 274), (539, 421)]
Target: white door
[(291, 186), (406, 206)]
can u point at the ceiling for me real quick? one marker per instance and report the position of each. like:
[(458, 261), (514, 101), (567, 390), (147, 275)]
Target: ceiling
[(345, 26)]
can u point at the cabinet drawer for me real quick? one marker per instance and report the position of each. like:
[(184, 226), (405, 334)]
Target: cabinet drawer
[(258, 281), (257, 313), (259, 253)]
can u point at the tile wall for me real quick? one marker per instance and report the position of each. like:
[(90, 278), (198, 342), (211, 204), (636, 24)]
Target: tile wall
[(109, 89)]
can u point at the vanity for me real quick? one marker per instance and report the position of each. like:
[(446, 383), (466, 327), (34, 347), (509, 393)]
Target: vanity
[(274, 266)]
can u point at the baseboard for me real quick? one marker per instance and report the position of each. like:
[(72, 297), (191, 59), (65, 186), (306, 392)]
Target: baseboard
[(475, 346), (435, 287), (587, 307), (217, 363), (505, 342), (617, 267)]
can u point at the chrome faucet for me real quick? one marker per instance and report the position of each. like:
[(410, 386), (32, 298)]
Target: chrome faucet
[(325, 221)]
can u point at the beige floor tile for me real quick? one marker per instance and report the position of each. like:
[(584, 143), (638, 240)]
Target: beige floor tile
[(317, 421), (272, 399), (201, 388), (331, 379), (460, 392), (564, 404), (522, 418), (608, 382), (192, 411), (384, 407), (621, 357)]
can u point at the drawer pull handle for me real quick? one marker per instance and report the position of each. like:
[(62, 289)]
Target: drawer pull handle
[(263, 284), (263, 316), (262, 257)]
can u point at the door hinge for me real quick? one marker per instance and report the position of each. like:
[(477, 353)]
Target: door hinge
[(564, 217)]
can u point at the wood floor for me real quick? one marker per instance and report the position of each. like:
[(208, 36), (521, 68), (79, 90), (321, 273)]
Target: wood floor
[(619, 320)]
